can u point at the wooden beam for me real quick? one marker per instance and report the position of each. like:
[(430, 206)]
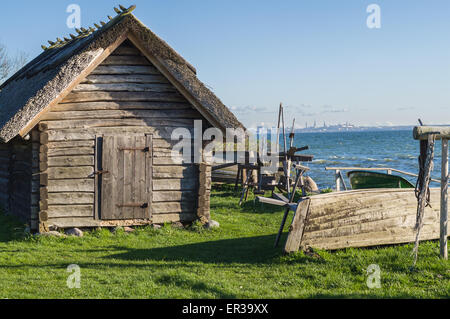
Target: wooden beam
[(297, 228), (422, 132), (444, 201)]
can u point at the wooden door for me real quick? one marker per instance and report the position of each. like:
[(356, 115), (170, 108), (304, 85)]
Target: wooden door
[(126, 177)]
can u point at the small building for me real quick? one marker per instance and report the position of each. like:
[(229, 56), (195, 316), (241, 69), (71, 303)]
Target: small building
[(85, 131)]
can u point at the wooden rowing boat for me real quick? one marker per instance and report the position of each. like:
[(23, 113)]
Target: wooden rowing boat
[(361, 218), (368, 179)]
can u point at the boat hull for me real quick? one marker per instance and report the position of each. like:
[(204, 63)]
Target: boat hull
[(362, 218), (367, 180)]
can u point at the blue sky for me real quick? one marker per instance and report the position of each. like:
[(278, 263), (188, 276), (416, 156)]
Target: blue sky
[(317, 57)]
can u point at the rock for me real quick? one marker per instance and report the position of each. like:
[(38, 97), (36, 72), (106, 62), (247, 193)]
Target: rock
[(177, 225), (52, 233), (117, 229), (128, 229), (155, 226), (212, 224), (310, 185), (74, 232)]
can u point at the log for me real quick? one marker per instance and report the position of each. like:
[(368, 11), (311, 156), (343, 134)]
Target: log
[(124, 69), (121, 105), (120, 114), (63, 211), (174, 207), (126, 78), (164, 172), (175, 184), (70, 198), (123, 96), (69, 161), (125, 60), (71, 185), (137, 122), (172, 196), (70, 172), (125, 50), (444, 201), (125, 87), (422, 132)]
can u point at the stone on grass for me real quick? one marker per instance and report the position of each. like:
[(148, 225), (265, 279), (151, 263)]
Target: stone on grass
[(74, 232), (212, 224), (128, 229), (156, 226), (177, 225), (52, 233)]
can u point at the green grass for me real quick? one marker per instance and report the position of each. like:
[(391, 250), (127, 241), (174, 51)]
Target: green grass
[(236, 261)]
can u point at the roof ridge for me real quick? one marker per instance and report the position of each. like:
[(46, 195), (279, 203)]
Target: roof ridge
[(83, 32)]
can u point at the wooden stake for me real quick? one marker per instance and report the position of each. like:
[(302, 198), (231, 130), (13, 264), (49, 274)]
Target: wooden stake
[(444, 200)]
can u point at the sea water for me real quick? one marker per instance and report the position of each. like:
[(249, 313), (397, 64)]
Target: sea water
[(390, 149)]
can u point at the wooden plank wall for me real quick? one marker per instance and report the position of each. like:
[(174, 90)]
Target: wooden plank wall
[(19, 186), (124, 95), (5, 155)]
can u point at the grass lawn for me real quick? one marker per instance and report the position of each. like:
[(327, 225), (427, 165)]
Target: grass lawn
[(236, 261)]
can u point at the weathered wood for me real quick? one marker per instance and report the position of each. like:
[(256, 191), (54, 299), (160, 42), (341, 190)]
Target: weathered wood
[(174, 207), (164, 172), (444, 201), (121, 105), (125, 60), (125, 87), (175, 184), (120, 114), (297, 228), (125, 69), (71, 185), (126, 78), (83, 134), (422, 132), (71, 211), (70, 199), (171, 196), (155, 123), (126, 50), (81, 172), (363, 218), (70, 161), (73, 151)]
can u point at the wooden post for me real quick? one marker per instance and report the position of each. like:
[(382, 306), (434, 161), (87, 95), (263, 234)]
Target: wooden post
[(338, 180), (204, 193), (444, 200)]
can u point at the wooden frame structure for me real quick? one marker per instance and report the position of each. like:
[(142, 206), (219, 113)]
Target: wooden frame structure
[(440, 133)]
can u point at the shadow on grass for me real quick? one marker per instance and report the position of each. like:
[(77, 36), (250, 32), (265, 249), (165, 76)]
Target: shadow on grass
[(10, 228), (251, 250)]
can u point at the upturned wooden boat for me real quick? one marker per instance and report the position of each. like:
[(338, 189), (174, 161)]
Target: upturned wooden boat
[(361, 218), (368, 179)]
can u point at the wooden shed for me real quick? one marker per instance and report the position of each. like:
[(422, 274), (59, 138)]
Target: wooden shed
[(85, 131)]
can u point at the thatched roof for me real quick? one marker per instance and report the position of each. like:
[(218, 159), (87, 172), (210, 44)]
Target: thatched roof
[(40, 82)]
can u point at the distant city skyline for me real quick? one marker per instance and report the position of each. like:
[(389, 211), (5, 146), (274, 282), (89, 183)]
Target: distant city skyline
[(318, 58)]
